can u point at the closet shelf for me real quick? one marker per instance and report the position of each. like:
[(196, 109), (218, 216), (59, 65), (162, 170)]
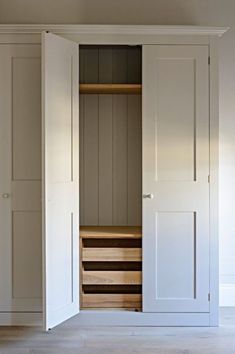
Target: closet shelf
[(111, 88)]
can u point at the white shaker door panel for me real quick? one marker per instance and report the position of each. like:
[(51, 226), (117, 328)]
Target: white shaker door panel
[(60, 179), (20, 178), (175, 172)]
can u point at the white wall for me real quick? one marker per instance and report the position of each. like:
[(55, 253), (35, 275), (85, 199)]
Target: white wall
[(185, 12)]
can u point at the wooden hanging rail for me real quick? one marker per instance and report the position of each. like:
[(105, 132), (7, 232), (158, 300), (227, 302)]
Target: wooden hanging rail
[(111, 88)]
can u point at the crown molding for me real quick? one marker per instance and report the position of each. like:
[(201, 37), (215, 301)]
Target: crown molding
[(114, 29)]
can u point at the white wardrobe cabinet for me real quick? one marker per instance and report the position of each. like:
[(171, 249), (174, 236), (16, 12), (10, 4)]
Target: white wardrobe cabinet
[(111, 132)]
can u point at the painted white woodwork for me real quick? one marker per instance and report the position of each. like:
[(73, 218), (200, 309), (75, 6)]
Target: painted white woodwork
[(20, 179), (138, 319), (60, 179), (149, 30), (214, 181), (113, 34), (175, 171), (22, 193)]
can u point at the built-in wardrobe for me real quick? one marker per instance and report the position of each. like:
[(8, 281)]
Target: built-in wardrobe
[(109, 150)]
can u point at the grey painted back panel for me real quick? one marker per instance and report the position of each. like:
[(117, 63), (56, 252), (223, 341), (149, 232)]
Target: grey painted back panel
[(120, 123), (91, 166), (106, 65), (119, 66), (134, 74), (110, 139), (134, 155), (105, 160), (110, 64)]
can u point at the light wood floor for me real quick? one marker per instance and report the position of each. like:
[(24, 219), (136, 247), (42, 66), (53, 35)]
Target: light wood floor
[(67, 339)]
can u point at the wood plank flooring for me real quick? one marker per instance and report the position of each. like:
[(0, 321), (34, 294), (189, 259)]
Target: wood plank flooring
[(69, 339)]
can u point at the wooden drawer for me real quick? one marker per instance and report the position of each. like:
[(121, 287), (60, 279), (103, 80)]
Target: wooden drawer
[(111, 277), (111, 301), (111, 267), (106, 254)]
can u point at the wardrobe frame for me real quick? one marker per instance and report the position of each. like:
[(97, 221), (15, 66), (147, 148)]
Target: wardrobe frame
[(139, 35)]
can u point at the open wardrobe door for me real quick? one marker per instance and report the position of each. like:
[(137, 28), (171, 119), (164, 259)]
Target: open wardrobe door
[(60, 179)]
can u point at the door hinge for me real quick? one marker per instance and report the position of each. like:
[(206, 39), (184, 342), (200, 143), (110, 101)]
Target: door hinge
[(208, 178), (209, 297), (209, 60)]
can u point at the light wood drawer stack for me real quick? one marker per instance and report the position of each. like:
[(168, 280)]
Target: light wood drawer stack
[(111, 267)]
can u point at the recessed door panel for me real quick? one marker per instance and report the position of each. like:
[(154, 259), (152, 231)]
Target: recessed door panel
[(175, 124), (175, 270)]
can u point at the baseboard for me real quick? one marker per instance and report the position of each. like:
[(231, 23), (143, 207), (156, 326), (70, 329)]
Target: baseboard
[(116, 318), (227, 295), (126, 318), (20, 319)]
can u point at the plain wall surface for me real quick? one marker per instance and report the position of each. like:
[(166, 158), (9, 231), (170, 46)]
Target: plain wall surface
[(164, 12)]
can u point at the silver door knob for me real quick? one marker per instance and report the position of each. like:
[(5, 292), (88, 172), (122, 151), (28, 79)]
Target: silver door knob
[(148, 196), (5, 195)]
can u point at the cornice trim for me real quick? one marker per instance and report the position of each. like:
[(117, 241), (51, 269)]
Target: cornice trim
[(114, 29)]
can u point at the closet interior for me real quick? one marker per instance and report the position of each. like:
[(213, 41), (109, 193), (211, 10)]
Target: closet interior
[(110, 116)]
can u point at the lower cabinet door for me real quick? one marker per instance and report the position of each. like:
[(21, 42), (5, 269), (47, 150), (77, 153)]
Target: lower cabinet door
[(20, 178), (175, 179)]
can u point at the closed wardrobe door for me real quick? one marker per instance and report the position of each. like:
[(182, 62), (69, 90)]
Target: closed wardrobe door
[(20, 180), (175, 179)]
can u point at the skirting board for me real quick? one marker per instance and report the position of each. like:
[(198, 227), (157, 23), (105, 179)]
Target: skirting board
[(125, 318), (113, 318), (20, 319), (117, 318), (227, 295)]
